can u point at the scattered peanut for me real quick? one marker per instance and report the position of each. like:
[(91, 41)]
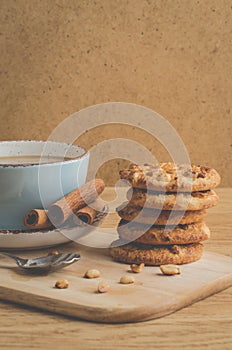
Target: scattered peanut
[(103, 287), (170, 269), (92, 273), (54, 252), (127, 279), (137, 268), (62, 284)]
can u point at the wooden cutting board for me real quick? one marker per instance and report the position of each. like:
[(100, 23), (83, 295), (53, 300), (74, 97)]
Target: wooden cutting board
[(153, 295)]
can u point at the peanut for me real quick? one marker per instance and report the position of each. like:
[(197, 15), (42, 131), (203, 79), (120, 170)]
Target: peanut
[(62, 284), (137, 268), (103, 287), (127, 279), (92, 273), (170, 269), (54, 252)]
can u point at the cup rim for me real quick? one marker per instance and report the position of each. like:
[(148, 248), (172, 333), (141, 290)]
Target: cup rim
[(38, 164)]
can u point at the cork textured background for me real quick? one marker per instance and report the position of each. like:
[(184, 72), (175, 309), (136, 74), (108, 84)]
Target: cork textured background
[(175, 57)]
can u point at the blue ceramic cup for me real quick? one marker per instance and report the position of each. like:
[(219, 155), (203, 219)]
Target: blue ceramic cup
[(34, 174)]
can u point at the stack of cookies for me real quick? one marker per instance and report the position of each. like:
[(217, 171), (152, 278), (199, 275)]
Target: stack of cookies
[(163, 222)]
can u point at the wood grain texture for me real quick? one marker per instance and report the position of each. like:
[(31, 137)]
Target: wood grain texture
[(206, 324), (151, 296)]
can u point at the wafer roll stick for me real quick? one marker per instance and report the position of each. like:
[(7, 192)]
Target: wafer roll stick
[(88, 213), (37, 218), (60, 211)]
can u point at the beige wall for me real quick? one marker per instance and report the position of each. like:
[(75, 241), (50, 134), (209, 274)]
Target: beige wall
[(174, 56)]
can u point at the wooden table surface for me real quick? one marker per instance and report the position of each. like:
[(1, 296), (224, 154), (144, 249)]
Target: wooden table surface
[(204, 325)]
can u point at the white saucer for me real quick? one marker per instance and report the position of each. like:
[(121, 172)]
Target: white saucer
[(19, 239)]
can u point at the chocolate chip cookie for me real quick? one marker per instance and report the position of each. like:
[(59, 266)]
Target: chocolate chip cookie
[(171, 177), (136, 253), (167, 201), (152, 216), (163, 235)]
